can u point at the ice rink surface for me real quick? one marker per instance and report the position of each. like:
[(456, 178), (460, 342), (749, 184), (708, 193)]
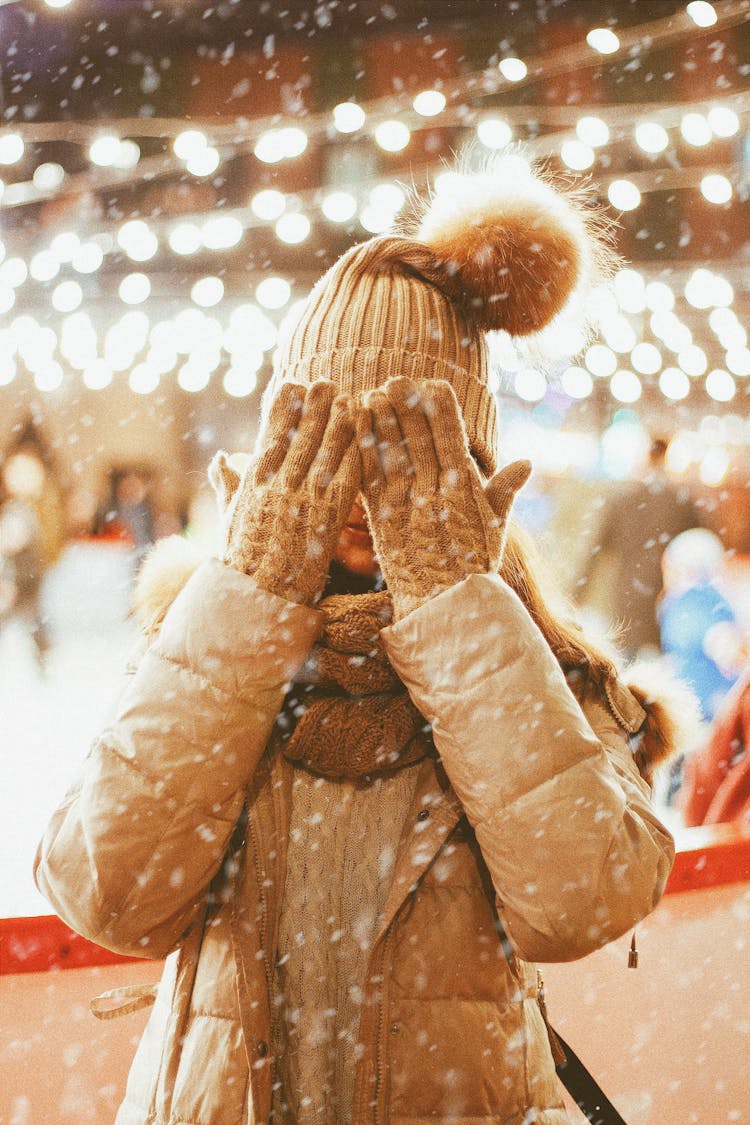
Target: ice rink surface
[(49, 715)]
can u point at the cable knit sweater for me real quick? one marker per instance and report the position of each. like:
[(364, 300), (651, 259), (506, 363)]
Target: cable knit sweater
[(343, 841)]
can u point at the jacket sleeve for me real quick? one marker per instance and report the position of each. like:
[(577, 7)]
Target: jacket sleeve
[(128, 856), (560, 812)]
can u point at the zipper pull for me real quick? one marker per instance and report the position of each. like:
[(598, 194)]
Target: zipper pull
[(633, 954)]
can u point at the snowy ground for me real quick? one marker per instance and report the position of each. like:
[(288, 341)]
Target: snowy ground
[(47, 719)]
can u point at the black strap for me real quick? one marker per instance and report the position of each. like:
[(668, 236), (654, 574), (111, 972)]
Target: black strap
[(585, 1090)]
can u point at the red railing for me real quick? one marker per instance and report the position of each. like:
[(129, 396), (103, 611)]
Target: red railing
[(706, 857)]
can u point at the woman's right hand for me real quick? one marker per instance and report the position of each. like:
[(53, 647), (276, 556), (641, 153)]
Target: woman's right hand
[(286, 512)]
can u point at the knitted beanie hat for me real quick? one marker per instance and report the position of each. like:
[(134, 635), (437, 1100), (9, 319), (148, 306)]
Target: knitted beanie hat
[(496, 249)]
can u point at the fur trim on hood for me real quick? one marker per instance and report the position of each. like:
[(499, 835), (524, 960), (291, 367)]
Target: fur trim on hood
[(672, 715), (162, 574), (659, 712)]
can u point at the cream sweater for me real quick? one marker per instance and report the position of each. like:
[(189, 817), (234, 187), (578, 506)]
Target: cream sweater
[(342, 847)]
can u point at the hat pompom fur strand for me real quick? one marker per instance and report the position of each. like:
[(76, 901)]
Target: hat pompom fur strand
[(509, 247)]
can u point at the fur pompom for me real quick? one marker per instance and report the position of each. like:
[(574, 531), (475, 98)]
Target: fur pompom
[(511, 248), (163, 573), (672, 723)]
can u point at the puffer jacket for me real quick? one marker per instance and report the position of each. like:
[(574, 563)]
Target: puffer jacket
[(535, 815)]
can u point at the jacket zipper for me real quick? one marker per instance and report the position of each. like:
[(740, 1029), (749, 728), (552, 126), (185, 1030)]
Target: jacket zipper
[(381, 1030), (262, 895)]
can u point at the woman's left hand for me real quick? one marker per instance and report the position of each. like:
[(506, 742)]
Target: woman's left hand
[(432, 518)]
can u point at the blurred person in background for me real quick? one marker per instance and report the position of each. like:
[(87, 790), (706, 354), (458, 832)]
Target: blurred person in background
[(699, 632), (129, 514), (23, 560), (717, 777), (623, 574)]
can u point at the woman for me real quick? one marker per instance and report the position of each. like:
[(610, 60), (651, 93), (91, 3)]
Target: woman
[(363, 777)]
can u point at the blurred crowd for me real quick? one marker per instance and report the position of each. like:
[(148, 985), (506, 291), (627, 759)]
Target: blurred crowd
[(646, 571)]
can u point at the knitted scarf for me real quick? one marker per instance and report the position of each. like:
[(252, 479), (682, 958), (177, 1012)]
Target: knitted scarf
[(348, 715)]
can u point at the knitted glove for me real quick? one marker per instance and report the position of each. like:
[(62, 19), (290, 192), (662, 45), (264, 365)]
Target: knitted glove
[(286, 512), (432, 518)]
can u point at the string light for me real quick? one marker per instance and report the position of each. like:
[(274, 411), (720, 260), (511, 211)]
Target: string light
[(162, 358), (87, 258), (646, 358), (651, 137), (249, 330), (240, 382), (273, 292), (64, 245), (429, 103), (348, 117), (674, 383), (716, 188), (722, 319), (623, 195), (293, 228), (738, 361), (203, 163), (67, 296), (576, 382), (619, 334), (49, 377), (134, 289), (698, 289), (671, 330), (600, 360), (193, 376), (494, 133), (268, 204), (189, 143), (48, 176), (143, 379), (137, 240), (659, 296), (701, 13), (109, 151), (577, 155), (44, 266), (280, 144), (222, 232), (724, 121), (720, 385), (603, 40), (13, 272), (207, 292), (97, 375), (630, 290), (11, 148), (714, 466), (387, 197), (592, 131), (185, 238), (339, 206), (392, 136), (625, 386), (512, 69), (695, 129), (530, 384), (693, 360), (129, 155)]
